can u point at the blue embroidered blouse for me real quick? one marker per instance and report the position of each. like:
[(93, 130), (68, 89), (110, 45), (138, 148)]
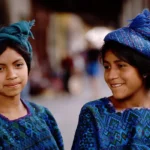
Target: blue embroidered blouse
[(35, 131), (101, 127)]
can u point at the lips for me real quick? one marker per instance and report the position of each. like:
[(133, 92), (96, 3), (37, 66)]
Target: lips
[(115, 85), (12, 84)]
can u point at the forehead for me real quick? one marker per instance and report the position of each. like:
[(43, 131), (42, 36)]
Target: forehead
[(109, 55), (10, 54)]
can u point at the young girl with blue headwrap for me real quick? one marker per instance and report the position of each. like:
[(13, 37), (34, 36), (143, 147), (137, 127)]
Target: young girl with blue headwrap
[(23, 124), (121, 121)]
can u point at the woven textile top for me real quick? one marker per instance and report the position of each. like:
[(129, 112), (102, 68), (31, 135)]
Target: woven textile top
[(102, 127)]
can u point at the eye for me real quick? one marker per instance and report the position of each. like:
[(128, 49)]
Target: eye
[(1, 68), (121, 65), (106, 67), (19, 65)]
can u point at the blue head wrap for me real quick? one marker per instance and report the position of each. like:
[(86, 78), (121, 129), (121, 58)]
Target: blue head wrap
[(18, 32), (136, 35)]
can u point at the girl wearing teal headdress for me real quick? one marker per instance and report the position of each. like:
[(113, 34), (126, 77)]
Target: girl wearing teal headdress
[(121, 121), (23, 124)]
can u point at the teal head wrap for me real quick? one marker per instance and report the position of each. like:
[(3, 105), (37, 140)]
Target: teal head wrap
[(18, 32)]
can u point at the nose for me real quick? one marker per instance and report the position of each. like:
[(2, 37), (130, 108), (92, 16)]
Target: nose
[(112, 74), (11, 74)]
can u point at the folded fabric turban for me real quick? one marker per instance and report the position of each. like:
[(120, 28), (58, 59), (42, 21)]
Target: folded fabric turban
[(19, 32)]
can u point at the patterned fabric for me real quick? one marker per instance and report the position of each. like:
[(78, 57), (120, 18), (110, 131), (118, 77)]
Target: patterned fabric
[(136, 35), (101, 127), (18, 32), (36, 131)]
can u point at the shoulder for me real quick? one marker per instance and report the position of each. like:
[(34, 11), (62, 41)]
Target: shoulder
[(37, 108), (100, 106), (96, 103), (41, 112)]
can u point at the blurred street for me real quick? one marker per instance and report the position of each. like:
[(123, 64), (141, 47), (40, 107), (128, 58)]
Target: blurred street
[(66, 107)]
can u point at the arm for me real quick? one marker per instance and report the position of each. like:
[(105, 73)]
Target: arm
[(85, 136)]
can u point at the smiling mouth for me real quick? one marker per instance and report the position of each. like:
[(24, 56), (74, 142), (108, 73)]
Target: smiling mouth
[(116, 85)]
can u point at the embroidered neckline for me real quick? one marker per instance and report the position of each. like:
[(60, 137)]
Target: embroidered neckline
[(126, 109)]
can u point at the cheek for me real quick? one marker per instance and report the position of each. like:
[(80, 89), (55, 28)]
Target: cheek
[(24, 73), (134, 78), (105, 76), (2, 80), (137, 80), (24, 79), (2, 77)]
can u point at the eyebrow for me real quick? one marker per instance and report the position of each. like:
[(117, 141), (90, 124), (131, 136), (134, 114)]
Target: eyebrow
[(3, 64)]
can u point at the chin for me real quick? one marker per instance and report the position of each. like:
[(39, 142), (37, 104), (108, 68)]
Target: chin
[(119, 97), (12, 94)]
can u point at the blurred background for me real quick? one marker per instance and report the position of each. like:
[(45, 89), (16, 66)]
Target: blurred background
[(68, 35)]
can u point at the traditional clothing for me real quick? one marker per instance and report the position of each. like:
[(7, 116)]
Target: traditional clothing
[(35, 131), (18, 32), (136, 35), (101, 127)]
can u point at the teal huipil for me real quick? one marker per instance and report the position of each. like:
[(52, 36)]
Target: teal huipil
[(37, 130), (102, 127)]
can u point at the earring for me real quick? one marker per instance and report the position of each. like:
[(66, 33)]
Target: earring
[(144, 76)]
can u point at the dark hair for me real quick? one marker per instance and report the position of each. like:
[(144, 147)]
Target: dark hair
[(18, 48), (129, 55)]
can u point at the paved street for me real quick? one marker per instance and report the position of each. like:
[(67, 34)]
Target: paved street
[(66, 108)]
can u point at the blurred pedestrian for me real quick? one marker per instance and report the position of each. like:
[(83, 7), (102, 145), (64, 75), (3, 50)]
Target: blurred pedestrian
[(92, 64), (23, 124), (67, 67), (121, 121), (93, 69)]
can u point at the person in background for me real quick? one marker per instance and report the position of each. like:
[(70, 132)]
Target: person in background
[(23, 124), (121, 121), (93, 69), (67, 67)]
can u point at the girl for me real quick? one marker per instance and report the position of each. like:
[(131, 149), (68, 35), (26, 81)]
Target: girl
[(23, 124), (121, 121)]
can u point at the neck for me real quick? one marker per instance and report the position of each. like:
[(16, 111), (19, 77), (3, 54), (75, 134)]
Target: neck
[(9, 103), (12, 108)]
